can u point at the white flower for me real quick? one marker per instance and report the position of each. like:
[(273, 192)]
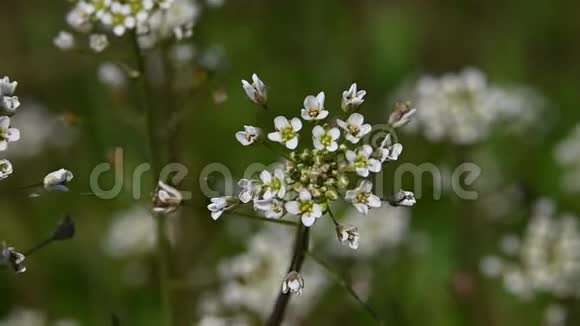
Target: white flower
[(220, 204), (9, 256), (389, 151), (401, 115), (362, 161), (287, 133), (183, 31), (111, 75), (166, 199), (5, 169), (7, 134), (274, 186), (98, 42), (256, 91), (57, 180), (305, 207), (354, 127), (64, 40), (314, 107), (352, 98), (348, 233), (272, 208), (402, 198), (10, 103), (293, 283), (249, 136), (362, 197), (250, 190), (7, 87), (325, 139)]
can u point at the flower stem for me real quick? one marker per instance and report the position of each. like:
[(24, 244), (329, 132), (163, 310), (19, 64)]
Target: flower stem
[(298, 256), (332, 217), (163, 247), (342, 282), (263, 219)]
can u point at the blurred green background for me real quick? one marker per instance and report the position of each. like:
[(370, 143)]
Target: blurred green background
[(298, 48)]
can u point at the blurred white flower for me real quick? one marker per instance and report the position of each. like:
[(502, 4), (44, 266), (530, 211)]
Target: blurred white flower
[(249, 136), (491, 266), (42, 131), (272, 208), (24, 317), (363, 198), (354, 127), (5, 169), (293, 283), (567, 155), (287, 131), (388, 151), (57, 180), (401, 115), (250, 190), (7, 134), (464, 108), (111, 75), (64, 40), (166, 199), (305, 207), (132, 233), (215, 3), (352, 99), (362, 161), (256, 91), (8, 102), (314, 108), (325, 139), (555, 315), (98, 42), (221, 204)]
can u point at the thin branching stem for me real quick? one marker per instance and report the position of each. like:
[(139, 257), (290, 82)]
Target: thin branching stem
[(164, 248), (342, 282), (263, 219), (332, 216)]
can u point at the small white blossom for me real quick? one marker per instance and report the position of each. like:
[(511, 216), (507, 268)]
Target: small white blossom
[(362, 197), (348, 233), (362, 161), (10, 257), (98, 42), (5, 169), (221, 204), (111, 75), (352, 99), (305, 207), (325, 139), (184, 31), (7, 134), (64, 40), (249, 136), (256, 91), (314, 107), (10, 103), (166, 199), (403, 198), (388, 151), (293, 283), (401, 115), (354, 127), (7, 87), (272, 208), (273, 185), (287, 131), (57, 180), (250, 190)]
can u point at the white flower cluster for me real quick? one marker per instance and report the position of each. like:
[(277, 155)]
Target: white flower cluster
[(546, 260), (252, 278), (463, 108), (21, 316), (336, 165), (567, 154), (8, 105)]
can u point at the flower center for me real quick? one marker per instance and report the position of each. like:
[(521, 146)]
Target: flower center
[(326, 140), (287, 133), (353, 130), (362, 198), (361, 162), (313, 113), (306, 207)]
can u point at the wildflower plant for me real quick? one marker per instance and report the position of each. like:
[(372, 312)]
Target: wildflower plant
[(325, 162)]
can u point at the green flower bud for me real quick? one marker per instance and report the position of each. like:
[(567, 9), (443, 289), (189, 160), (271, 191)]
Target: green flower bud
[(342, 181), (331, 194)]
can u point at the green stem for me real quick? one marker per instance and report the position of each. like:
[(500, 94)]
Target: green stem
[(263, 219), (332, 217), (342, 282), (163, 247)]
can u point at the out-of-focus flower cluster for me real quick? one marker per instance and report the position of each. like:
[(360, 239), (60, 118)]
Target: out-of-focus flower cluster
[(252, 278), (29, 317), (464, 108), (567, 155), (546, 260)]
